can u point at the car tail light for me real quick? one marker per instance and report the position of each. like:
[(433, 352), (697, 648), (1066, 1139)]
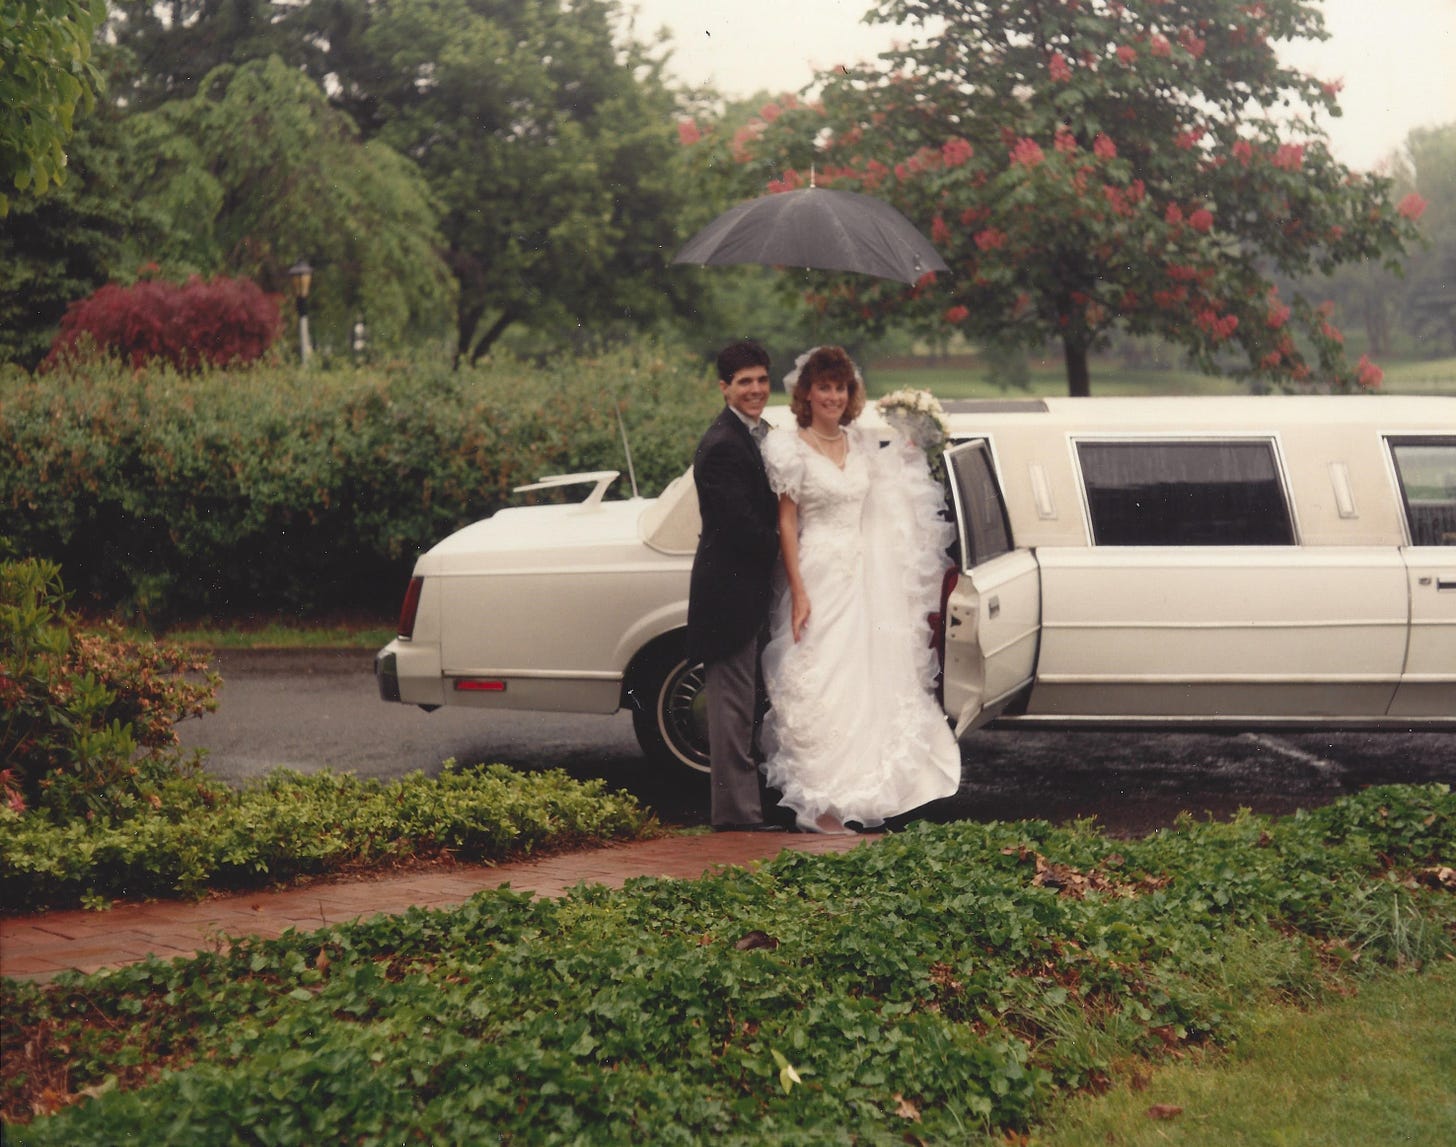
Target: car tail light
[(410, 607), (479, 685)]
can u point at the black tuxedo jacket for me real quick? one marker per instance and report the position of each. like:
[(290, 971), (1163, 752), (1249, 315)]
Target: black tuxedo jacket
[(728, 601)]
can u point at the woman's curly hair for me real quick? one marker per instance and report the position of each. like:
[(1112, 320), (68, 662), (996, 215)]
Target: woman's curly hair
[(833, 363)]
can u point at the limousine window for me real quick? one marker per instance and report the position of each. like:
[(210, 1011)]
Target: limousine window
[(978, 499), (1185, 493), (1426, 468)]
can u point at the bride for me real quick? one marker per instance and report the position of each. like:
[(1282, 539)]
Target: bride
[(854, 733)]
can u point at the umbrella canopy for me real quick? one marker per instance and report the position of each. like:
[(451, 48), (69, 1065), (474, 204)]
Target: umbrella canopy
[(816, 227)]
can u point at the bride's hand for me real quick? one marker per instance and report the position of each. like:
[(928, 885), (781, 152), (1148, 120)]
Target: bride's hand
[(800, 615)]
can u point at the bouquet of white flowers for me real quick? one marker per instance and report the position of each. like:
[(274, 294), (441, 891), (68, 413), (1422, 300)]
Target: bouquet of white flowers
[(918, 415)]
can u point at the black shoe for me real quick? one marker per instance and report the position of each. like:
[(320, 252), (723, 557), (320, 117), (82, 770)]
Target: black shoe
[(756, 826), (873, 830)]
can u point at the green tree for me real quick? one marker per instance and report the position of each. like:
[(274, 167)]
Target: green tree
[(1088, 166), (257, 169), (61, 246), (45, 75), (544, 129), (548, 143), (1415, 308), (176, 44), (1427, 172)]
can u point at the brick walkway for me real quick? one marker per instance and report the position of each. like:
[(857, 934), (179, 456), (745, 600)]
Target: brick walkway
[(37, 947)]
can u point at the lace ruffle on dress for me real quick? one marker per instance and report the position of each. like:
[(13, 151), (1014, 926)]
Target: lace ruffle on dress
[(854, 730)]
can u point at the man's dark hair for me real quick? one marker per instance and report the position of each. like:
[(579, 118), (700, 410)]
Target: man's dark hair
[(737, 356)]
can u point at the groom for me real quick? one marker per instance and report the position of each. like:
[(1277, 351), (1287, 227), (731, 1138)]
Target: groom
[(728, 600)]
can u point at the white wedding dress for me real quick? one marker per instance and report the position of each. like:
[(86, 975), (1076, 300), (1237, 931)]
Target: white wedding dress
[(854, 732)]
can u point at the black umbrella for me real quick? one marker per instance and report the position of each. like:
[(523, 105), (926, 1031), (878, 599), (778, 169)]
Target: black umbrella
[(816, 227)]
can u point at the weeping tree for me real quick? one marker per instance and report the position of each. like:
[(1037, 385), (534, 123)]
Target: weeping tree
[(544, 130), (546, 136), (256, 169)]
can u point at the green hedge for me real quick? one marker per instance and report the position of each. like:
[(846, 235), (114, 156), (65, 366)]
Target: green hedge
[(289, 491), (292, 825), (945, 982)]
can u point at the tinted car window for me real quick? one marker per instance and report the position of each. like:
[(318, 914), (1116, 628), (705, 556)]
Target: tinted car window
[(978, 500), (1426, 468), (1203, 493)]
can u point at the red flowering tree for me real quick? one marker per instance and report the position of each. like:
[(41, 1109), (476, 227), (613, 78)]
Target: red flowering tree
[(216, 322), (1086, 166)]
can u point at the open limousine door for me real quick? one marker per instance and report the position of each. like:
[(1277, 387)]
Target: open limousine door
[(993, 613)]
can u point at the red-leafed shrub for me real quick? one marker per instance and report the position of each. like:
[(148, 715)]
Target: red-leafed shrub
[(87, 713), (217, 322)]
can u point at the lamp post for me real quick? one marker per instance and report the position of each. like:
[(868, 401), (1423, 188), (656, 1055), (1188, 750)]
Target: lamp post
[(302, 275)]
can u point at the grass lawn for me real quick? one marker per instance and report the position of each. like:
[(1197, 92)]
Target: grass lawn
[(1373, 1070), (1048, 379), (1433, 376), (364, 633)]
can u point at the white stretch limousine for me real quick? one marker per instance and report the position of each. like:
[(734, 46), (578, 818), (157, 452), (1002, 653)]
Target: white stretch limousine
[(1238, 562)]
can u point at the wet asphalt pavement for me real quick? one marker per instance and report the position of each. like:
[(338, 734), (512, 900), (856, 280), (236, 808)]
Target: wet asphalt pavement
[(317, 710)]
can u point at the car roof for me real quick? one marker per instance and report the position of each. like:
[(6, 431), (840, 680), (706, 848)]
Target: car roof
[(670, 523), (1193, 412), (1182, 412)]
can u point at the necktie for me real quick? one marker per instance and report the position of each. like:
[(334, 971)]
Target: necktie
[(759, 432)]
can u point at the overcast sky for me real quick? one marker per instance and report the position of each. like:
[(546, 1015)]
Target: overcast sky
[(1397, 58)]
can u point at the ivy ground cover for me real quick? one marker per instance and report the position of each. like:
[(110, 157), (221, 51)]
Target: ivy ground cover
[(288, 826), (948, 981)]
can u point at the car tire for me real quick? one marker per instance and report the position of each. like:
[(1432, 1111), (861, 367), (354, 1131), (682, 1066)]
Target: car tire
[(670, 715)]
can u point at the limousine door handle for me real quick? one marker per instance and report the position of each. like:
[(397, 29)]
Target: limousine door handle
[(993, 607)]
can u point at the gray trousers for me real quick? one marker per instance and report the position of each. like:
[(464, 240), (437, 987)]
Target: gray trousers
[(732, 688)]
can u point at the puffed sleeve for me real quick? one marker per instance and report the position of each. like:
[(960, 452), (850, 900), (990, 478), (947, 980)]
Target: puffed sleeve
[(784, 461)]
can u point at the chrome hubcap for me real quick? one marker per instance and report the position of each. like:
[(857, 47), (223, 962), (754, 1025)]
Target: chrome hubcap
[(684, 714)]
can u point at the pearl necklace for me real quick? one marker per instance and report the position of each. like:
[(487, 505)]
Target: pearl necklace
[(836, 457)]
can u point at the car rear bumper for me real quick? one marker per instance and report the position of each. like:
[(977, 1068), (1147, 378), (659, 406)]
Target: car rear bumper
[(409, 671), (386, 674)]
